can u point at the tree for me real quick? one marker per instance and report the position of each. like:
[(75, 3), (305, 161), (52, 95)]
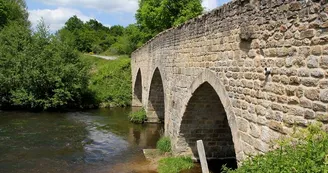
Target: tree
[(116, 30), (37, 70), (131, 39), (154, 16), (74, 23), (13, 11)]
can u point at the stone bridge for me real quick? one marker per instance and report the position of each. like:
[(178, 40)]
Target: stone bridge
[(206, 79)]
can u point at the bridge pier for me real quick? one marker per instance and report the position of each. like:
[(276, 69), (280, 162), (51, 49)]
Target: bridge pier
[(155, 108)]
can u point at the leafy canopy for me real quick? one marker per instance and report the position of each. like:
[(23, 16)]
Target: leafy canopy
[(13, 11), (154, 16)]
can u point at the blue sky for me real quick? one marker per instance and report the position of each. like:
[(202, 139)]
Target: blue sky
[(108, 12)]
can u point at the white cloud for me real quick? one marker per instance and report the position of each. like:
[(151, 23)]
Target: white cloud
[(56, 18), (209, 4), (108, 6)]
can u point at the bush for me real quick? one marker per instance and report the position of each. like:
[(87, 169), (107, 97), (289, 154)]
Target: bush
[(138, 116), (305, 151), (164, 144), (110, 80), (37, 71), (174, 164)]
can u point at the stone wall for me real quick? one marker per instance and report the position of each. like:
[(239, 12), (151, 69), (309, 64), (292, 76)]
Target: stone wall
[(229, 48)]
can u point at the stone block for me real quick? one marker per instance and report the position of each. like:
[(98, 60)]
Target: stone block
[(295, 6), (268, 135), (324, 95), (243, 125), (307, 33), (312, 94), (246, 138), (254, 130), (303, 72), (309, 114), (324, 62), (294, 80), (322, 116), (261, 146), (316, 50), (317, 73), (300, 121), (305, 103), (318, 106), (313, 62), (288, 119), (310, 82), (276, 126)]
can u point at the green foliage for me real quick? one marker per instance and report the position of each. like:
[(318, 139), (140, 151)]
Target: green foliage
[(91, 36), (131, 39), (155, 16), (116, 30), (74, 24), (152, 17), (37, 71), (110, 80), (13, 11), (306, 151), (138, 116), (164, 144), (175, 164)]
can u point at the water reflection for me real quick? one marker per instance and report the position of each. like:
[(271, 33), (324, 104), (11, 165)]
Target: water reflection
[(93, 141)]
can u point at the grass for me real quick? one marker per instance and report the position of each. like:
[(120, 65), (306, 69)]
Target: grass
[(174, 164), (110, 80), (138, 116), (305, 151), (164, 144)]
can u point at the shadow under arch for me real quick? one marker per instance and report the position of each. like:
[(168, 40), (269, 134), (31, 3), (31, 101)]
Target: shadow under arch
[(156, 105), (137, 92), (208, 115)]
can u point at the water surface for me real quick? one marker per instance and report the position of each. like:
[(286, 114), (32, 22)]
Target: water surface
[(96, 141)]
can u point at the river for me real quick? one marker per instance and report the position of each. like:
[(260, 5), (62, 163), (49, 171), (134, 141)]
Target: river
[(97, 141)]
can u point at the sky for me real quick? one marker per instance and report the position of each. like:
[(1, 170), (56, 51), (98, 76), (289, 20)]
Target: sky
[(109, 12)]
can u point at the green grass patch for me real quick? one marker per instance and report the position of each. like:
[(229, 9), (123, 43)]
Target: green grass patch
[(305, 151), (164, 144), (138, 116), (174, 164), (110, 80)]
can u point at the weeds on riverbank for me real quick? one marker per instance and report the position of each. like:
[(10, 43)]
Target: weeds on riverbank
[(305, 151), (170, 164), (138, 116), (164, 144), (174, 164), (110, 80)]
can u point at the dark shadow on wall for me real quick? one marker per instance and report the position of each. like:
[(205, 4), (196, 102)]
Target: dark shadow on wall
[(205, 119), (138, 87), (156, 97)]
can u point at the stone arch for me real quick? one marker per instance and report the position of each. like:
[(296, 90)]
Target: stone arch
[(137, 91), (208, 115), (156, 105)]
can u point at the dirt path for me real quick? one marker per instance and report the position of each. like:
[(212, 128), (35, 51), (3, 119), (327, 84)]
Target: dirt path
[(105, 57)]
